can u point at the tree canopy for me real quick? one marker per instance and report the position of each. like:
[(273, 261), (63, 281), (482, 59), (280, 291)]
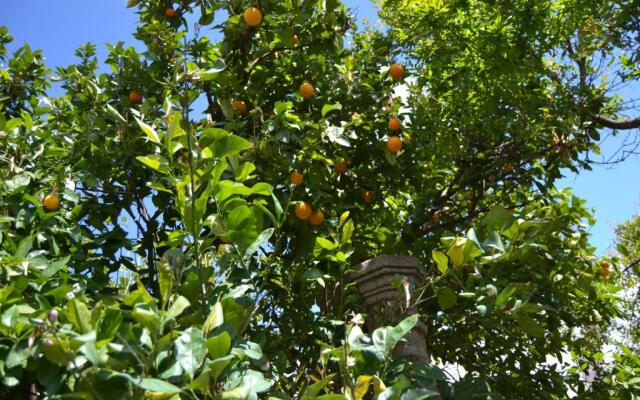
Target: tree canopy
[(182, 224)]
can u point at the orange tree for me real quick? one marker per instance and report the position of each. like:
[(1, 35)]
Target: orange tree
[(181, 225)]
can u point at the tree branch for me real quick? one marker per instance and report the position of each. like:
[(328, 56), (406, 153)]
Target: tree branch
[(622, 124)]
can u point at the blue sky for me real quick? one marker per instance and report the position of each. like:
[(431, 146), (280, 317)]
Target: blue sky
[(58, 27)]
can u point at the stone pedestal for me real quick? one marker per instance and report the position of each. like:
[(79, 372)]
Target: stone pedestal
[(386, 304)]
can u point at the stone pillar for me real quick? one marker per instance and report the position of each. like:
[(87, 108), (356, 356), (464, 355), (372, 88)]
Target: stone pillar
[(386, 304)]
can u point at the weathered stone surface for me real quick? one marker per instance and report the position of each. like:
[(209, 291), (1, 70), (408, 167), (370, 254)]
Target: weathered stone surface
[(385, 304)]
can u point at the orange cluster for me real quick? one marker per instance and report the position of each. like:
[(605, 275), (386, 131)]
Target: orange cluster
[(304, 211)]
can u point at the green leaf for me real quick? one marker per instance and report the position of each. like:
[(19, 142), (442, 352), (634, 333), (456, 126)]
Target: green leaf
[(212, 72), (18, 356), (175, 138), (530, 326), (16, 183), (493, 242), (149, 131), (386, 338), (156, 385), (165, 280), (420, 394), (505, 294), (234, 314), (221, 143), (218, 365), (79, 315), (347, 232), (244, 225), (56, 352), (115, 113), (24, 247), (447, 298), (219, 346), (327, 108), (622, 249), (215, 318), (260, 240), (323, 244), (497, 219), (343, 217), (441, 259), (191, 350), (147, 315), (155, 161), (179, 305), (108, 326), (312, 391)]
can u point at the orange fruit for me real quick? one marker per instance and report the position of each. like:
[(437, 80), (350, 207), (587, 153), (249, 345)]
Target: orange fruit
[(296, 178), (316, 218), (169, 12), (295, 40), (604, 269), (340, 167), (51, 202), (394, 144), (396, 71), (303, 210), (252, 16), (367, 197), (224, 239), (239, 106), (135, 97), (394, 124), (307, 90)]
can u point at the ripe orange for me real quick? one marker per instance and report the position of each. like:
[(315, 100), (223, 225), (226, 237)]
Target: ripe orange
[(303, 210), (367, 197), (397, 71), (340, 167), (604, 269), (296, 178), (316, 218), (252, 16), (307, 90), (51, 202), (135, 97), (239, 106), (295, 40), (169, 12), (394, 144), (394, 124)]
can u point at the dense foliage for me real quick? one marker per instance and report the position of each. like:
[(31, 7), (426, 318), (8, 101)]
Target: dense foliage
[(155, 243)]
